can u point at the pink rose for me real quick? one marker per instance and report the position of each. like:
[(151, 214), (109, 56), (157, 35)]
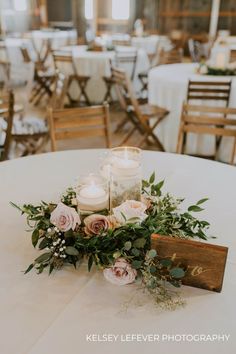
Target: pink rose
[(121, 273), (95, 224), (65, 218), (129, 210)]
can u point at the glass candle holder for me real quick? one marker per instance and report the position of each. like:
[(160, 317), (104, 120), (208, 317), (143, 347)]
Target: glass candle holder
[(93, 193), (125, 175)]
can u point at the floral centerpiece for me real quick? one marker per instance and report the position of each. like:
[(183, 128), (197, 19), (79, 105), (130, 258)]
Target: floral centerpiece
[(118, 241)]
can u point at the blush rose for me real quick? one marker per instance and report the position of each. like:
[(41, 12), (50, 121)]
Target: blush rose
[(121, 273), (65, 218), (130, 209)]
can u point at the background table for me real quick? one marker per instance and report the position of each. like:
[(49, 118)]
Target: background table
[(151, 43), (168, 86), (42, 314), (97, 65), (57, 38), (10, 51)]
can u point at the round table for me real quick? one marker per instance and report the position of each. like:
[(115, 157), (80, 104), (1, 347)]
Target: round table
[(168, 86), (41, 314), (151, 43), (97, 65), (57, 38)]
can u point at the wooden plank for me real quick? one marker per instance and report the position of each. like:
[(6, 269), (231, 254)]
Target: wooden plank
[(76, 122), (69, 134), (208, 109), (209, 120), (204, 263), (202, 129)]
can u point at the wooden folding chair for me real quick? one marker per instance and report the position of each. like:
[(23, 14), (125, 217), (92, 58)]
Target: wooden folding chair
[(31, 141), (43, 76), (65, 64), (84, 122), (144, 118), (204, 92), (172, 56), (122, 58), (207, 120)]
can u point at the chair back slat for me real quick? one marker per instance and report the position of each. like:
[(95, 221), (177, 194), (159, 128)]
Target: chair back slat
[(172, 56), (209, 90), (79, 123)]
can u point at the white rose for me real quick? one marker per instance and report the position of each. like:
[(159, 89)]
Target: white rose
[(129, 210), (121, 273), (65, 218)]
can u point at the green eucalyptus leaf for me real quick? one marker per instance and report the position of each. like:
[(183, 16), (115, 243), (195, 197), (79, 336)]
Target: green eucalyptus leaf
[(152, 178), (71, 251), (127, 245), (35, 237), (43, 258), (43, 243), (136, 264), (201, 201), (139, 243), (51, 267), (135, 252), (177, 273), (166, 263), (153, 270), (195, 208), (117, 254), (152, 254), (31, 266)]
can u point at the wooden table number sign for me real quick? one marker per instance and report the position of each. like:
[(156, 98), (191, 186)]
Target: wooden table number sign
[(204, 263)]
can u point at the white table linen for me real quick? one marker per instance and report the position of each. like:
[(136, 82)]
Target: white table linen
[(97, 65), (10, 51), (168, 86), (57, 38), (42, 314), (151, 43)]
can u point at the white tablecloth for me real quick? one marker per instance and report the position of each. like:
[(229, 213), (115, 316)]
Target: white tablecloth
[(10, 51), (150, 43), (97, 65), (42, 314), (57, 39), (168, 88)]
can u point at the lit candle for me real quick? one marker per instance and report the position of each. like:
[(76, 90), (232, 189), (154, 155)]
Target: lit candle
[(123, 165), (92, 197)]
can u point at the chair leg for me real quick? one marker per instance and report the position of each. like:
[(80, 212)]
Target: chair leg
[(82, 86), (108, 96), (128, 136), (121, 125)]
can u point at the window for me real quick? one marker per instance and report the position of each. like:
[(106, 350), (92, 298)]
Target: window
[(89, 9), (20, 5), (120, 9)]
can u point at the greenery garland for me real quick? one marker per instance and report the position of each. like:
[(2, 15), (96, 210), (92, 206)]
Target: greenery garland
[(128, 241)]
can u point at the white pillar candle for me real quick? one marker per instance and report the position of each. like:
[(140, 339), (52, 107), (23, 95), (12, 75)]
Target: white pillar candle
[(92, 197), (124, 165)]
